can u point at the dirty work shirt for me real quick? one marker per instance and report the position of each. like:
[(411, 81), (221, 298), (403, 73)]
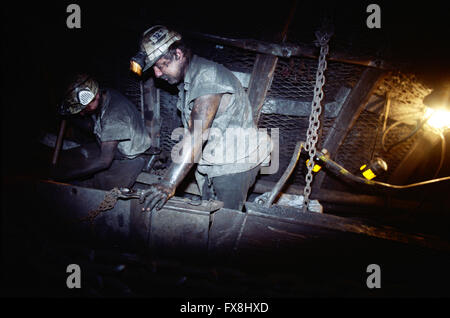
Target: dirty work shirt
[(219, 157), (120, 120)]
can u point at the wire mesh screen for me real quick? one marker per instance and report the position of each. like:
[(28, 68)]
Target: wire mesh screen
[(361, 144), (235, 59), (170, 120), (131, 87), (364, 143), (291, 130), (295, 79)]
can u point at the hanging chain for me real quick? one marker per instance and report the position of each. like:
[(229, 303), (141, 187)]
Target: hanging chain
[(316, 110)]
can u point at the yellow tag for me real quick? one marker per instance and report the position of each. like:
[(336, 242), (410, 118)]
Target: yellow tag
[(368, 174), (316, 166), (362, 167)]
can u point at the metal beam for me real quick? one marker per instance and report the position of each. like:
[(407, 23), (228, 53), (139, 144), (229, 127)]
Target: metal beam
[(297, 108), (329, 196), (289, 50)]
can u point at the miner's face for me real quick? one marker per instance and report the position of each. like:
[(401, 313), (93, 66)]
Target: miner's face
[(171, 70)]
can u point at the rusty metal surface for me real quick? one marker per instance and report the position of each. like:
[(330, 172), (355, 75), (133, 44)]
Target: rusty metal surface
[(70, 204), (186, 228), (178, 232), (181, 225)]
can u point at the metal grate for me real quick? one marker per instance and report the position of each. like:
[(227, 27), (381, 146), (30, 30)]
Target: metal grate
[(355, 151), (359, 144), (170, 119), (235, 59), (295, 78), (291, 130), (130, 86)]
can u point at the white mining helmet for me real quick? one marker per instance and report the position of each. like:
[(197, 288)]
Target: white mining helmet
[(154, 43)]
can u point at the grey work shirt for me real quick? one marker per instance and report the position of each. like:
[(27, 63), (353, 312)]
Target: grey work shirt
[(120, 120), (204, 77)]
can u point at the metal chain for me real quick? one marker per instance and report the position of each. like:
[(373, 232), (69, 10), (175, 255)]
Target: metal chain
[(108, 203), (316, 110)]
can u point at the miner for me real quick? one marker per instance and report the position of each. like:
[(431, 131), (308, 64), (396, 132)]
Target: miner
[(120, 133), (213, 105)]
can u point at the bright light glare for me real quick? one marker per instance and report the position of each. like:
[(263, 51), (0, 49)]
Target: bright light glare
[(439, 118)]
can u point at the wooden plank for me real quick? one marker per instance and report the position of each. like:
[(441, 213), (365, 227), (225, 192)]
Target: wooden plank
[(260, 81), (350, 111)]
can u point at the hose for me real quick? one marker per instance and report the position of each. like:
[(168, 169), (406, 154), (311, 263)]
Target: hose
[(342, 172), (419, 125), (443, 149)]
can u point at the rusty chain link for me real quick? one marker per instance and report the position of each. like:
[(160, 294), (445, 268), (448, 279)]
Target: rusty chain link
[(109, 201), (316, 110)]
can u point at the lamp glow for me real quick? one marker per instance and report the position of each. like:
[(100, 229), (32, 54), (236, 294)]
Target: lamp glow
[(135, 67), (438, 118)]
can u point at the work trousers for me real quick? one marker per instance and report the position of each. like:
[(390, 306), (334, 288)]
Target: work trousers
[(122, 173), (231, 189)]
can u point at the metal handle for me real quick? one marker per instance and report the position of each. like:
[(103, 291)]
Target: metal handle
[(287, 173)]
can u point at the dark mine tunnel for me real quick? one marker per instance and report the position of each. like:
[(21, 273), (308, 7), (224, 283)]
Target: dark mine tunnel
[(209, 154)]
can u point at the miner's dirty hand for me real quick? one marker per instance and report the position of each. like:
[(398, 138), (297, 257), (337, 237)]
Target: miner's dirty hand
[(157, 195)]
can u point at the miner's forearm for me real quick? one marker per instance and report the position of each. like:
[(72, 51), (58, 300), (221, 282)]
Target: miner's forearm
[(202, 115), (181, 166)]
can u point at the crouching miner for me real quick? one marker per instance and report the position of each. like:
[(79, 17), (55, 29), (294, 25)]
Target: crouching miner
[(121, 136), (212, 103)]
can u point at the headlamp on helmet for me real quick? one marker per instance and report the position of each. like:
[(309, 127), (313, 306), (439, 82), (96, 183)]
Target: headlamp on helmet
[(80, 93), (155, 43), (85, 96), (137, 63)]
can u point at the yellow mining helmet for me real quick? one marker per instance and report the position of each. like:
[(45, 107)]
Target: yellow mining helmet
[(373, 168)]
